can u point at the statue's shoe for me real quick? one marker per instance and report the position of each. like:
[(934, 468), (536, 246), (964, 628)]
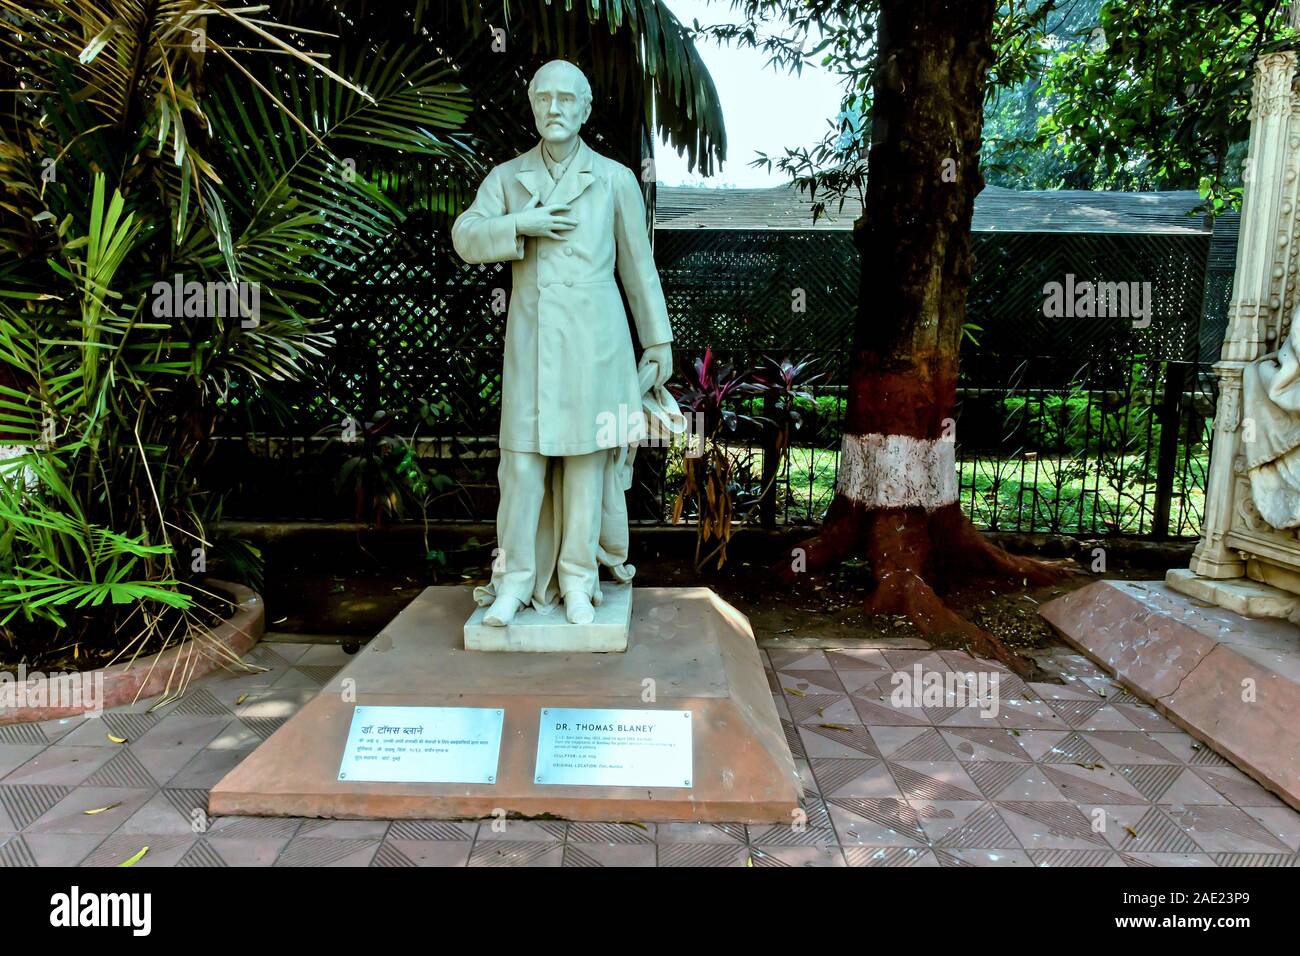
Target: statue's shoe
[(502, 611), (578, 609)]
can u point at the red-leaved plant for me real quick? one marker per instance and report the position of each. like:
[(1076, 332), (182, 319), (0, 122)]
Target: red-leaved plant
[(716, 397)]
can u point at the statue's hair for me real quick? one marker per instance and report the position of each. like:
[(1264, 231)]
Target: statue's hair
[(584, 86)]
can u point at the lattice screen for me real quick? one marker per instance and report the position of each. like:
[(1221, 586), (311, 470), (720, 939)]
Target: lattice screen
[(416, 325)]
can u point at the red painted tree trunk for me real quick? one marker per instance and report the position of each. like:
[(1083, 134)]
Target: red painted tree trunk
[(896, 500)]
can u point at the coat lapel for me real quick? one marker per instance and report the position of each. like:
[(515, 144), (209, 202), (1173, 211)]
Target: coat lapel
[(533, 176), (576, 178)]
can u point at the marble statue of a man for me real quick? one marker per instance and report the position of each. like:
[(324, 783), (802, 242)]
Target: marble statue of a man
[(568, 220), (1270, 414)]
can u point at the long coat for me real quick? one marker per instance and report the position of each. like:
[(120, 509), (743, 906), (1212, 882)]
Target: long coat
[(569, 363)]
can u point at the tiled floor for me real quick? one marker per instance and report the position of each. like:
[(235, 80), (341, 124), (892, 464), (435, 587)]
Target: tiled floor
[(1079, 774)]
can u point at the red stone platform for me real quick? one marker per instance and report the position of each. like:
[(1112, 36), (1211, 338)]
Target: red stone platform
[(1230, 681), (698, 650)]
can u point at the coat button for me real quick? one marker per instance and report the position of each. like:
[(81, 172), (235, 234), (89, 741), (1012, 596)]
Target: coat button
[(545, 254), (568, 282), (567, 251)]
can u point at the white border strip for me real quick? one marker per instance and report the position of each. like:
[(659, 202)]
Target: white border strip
[(895, 471)]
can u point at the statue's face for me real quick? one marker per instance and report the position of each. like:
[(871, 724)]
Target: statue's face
[(559, 104)]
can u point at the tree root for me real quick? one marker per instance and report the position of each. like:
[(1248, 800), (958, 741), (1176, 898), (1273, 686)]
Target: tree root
[(907, 593), (966, 553), (912, 553), (837, 539)]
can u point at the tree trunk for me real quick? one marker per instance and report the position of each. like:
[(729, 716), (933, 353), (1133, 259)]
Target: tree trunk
[(896, 496)]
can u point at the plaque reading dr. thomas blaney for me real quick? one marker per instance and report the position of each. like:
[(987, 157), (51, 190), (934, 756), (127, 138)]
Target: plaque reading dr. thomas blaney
[(614, 748), (423, 744)]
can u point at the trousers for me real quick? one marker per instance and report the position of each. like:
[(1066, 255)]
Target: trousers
[(543, 556)]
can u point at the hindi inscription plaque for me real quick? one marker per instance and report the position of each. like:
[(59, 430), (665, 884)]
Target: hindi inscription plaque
[(423, 744)]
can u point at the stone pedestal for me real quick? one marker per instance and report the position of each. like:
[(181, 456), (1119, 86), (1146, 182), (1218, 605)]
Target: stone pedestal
[(552, 633), (688, 650), (1243, 596), (1230, 681)]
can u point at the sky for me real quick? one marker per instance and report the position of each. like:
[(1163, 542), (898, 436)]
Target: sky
[(764, 109)]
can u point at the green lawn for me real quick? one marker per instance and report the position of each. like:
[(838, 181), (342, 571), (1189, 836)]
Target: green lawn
[(1034, 494)]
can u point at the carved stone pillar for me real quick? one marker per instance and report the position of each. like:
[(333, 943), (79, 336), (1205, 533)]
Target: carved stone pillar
[(1264, 296), (1263, 287), (1212, 558)]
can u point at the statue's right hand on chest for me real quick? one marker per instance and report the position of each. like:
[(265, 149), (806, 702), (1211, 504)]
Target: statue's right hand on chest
[(549, 222)]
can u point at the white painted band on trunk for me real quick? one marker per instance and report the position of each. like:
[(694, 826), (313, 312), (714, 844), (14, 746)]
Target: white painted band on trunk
[(895, 471)]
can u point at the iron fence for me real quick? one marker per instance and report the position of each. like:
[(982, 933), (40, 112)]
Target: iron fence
[(1085, 426)]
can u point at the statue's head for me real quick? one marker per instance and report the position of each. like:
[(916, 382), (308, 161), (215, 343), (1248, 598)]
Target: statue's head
[(561, 98)]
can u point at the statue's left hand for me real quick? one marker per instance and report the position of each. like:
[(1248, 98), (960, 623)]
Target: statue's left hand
[(656, 366)]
